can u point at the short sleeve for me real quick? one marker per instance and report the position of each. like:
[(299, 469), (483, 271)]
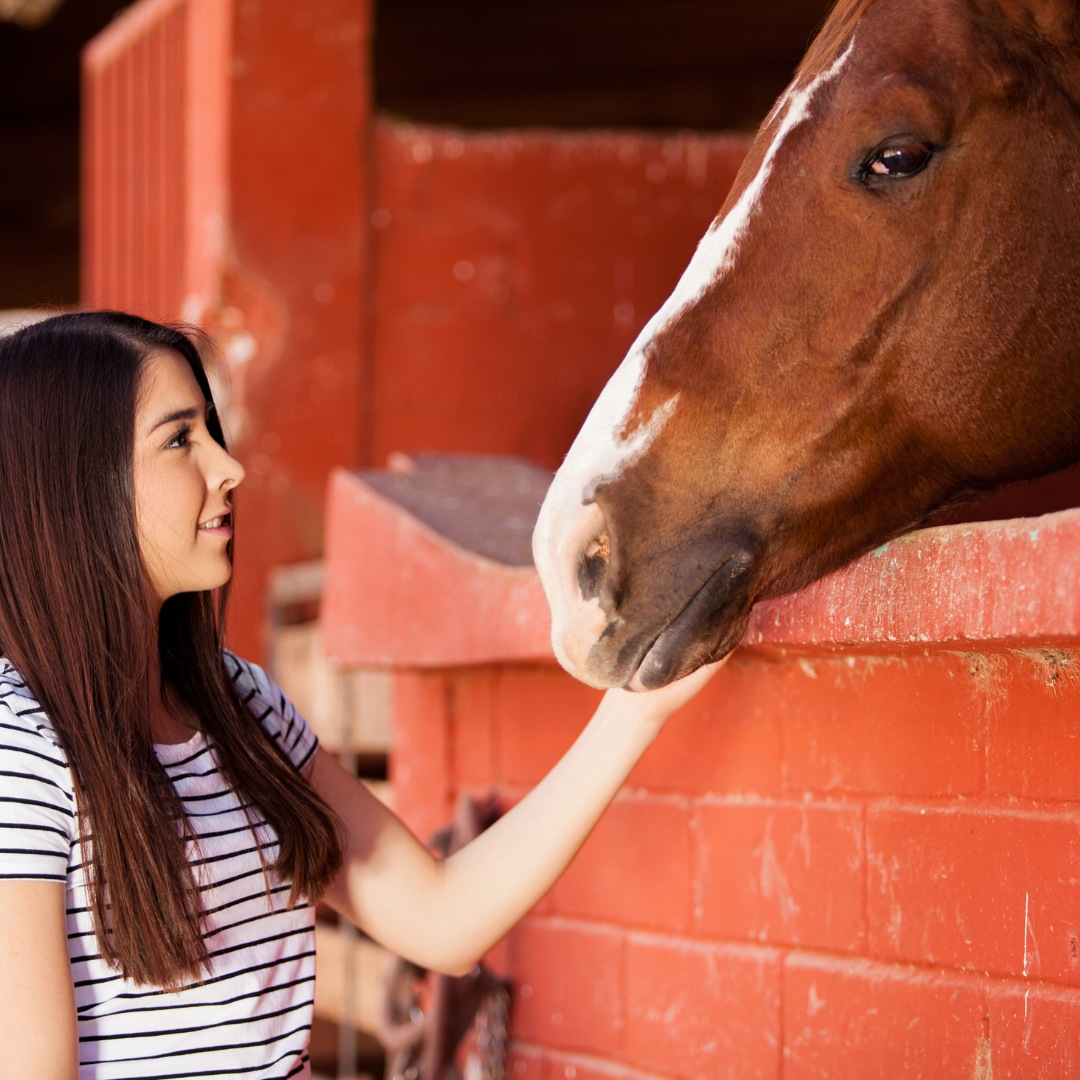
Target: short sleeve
[(279, 717), (38, 823)]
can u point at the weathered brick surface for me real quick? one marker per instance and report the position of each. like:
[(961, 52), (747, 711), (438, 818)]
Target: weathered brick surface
[(859, 1020), (635, 868), (473, 713), (1033, 738), (981, 887), (818, 871), (541, 711), (727, 740), (1034, 1031), (851, 805), (788, 873), (419, 761), (839, 867), (905, 725), (700, 1009), (530, 1063), (568, 985)]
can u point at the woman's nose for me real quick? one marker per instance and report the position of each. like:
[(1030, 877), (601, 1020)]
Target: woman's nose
[(227, 472)]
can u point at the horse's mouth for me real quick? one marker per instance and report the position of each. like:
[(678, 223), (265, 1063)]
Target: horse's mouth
[(708, 628)]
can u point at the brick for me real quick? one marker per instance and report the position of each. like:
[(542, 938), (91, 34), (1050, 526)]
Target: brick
[(525, 1063), (908, 724), (726, 739), (790, 873), (1033, 741), (859, 1020), (979, 888), (473, 709), (1034, 1031), (576, 1067), (420, 755), (568, 985), (541, 711), (703, 1010), (634, 870)]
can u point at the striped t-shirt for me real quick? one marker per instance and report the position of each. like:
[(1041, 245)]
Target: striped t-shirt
[(251, 1016)]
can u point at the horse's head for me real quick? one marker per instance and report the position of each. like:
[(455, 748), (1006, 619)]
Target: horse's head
[(884, 318)]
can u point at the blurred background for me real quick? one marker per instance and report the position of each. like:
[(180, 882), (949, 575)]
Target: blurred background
[(702, 64), (410, 226), (273, 172)]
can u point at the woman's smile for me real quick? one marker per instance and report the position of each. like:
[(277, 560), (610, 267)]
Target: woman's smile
[(219, 526)]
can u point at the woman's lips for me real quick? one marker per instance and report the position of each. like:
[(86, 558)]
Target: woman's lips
[(217, 526)]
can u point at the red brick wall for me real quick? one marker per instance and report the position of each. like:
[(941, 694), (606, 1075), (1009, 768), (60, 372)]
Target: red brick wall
[(828, 866), (855, 856)]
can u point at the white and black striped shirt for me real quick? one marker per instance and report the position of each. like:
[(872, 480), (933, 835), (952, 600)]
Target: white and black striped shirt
[(251, 1016)]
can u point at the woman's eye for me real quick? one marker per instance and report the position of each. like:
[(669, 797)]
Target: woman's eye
[(899, 160), (180, 439)]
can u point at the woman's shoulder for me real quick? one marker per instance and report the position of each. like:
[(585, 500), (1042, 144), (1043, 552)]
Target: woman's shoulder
[(29, 746), (38, 823), (20, 712)]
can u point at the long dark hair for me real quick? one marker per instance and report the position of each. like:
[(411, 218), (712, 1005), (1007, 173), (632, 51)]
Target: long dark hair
[(77, 618)]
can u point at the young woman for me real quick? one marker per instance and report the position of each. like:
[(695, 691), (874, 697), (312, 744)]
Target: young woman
[(167, 821)]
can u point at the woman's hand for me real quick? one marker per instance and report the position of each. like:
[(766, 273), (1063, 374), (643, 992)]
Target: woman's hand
[(657, 705)]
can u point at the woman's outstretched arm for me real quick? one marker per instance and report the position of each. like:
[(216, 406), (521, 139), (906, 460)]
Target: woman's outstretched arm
[(37, 1022), (446, 915)]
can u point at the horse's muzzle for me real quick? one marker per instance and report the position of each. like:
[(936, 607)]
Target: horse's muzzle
[(708, 628)]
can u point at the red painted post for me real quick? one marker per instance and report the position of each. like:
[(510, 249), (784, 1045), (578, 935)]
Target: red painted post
[(296, 277)]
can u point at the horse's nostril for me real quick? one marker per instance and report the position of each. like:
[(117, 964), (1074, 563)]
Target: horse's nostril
[(592, 569)]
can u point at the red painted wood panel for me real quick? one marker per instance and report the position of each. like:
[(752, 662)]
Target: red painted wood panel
[(515, 269)]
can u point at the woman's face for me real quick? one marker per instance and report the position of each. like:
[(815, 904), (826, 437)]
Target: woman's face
[(183, 480)]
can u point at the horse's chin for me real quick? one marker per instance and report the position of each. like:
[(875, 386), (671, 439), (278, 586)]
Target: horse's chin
[(672, 658), (708, 627)]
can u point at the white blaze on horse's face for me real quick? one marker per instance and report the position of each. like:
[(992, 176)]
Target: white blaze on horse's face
[(569, 520)]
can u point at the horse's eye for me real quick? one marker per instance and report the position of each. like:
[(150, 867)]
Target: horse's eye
[(902, 160)]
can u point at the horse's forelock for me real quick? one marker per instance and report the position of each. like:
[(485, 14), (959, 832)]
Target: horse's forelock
[(832, 39)]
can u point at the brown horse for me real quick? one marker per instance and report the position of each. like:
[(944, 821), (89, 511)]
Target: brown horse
[(883, 319)]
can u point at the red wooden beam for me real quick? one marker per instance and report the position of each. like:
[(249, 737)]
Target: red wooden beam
[(403, 591)]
